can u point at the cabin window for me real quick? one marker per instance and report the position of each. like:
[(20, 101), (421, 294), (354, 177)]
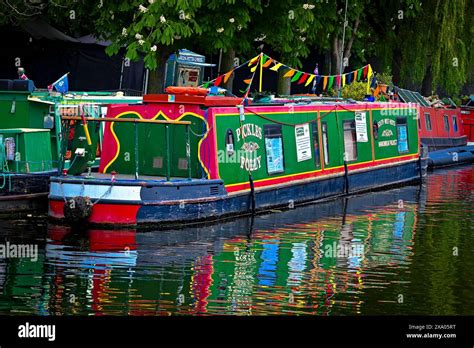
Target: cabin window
[(274, 148), (455, 124), (317, 159), (324, 130), (229, 142), (427, 121), (350, 141), (375, 130), (402, 135), (446, 123)]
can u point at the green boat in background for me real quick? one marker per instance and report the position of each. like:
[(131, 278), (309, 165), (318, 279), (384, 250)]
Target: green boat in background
[(35, 144)]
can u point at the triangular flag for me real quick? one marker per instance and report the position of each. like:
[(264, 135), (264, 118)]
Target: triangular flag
[(290, 73), (267, 63), (359, 73), (253, 60), (206, 85), (349, 78), (303, 78), (248, 81), (264, 58), (331, 81), (325, 82), (308, 81), (369, 75), (252, 69), (218, 81), (276, 66), (355, 75), (366, 70), (338, 81), (296, 76), (343, 80), (226, 76)]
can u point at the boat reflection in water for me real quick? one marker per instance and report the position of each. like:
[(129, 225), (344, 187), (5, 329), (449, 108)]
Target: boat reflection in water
[(291, 262), (348, 256)]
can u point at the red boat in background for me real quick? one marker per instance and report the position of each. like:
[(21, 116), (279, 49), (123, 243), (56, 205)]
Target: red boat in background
[(467, 117), (444, 128)]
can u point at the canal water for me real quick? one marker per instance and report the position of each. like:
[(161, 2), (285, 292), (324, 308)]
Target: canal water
[(403, 251)]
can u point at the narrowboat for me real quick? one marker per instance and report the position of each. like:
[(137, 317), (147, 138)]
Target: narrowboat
[(180, 158), (31, 139), (467, 117), (442, 131)]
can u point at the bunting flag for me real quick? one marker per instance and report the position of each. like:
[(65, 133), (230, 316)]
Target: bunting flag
[(308, 81), (290, 73), (331, 81), (267, 63), (276, 66), (226, 76), (366, 70), (300, 77), (218, 81), (296, 76), (303, 78), (253, 60)]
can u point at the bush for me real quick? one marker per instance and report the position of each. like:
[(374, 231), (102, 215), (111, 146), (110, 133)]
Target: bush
[(355, 90)]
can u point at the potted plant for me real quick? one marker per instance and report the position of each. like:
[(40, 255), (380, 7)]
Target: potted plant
[(384, 80)]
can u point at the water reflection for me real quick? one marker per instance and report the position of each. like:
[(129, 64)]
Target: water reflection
[(403, 251)]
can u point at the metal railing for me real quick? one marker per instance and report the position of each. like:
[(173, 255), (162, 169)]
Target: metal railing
[(136, 121)]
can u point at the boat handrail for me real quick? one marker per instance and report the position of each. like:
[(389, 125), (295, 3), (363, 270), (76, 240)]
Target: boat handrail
[(131, 120)]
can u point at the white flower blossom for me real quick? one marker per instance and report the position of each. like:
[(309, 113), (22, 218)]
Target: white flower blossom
[(141, 42), (302, 38), (310, 7), (162, 19), (220, 30), (306, 6), (138, 36), (124, 32), (142, 9), (232, 20), (153, 48), (239, 27), (151, 2)]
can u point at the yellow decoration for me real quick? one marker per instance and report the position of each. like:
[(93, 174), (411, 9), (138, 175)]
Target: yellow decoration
[(310, 78), (276, 66)]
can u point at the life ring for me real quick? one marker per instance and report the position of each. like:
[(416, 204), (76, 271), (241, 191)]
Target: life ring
[(186, 90)]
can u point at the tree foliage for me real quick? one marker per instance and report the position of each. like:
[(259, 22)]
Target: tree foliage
[(426, 44)]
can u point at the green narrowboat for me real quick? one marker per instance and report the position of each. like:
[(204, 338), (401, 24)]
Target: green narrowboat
[(180, 158), (30, 139)]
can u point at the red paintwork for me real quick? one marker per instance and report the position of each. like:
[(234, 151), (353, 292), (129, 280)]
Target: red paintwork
[(467, 116), (437, 123), (124, 214)]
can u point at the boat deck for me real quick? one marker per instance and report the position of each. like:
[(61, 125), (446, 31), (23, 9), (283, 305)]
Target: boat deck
[(107, 176)]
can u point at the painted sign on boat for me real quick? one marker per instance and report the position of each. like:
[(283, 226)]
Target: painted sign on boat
[(361, 127)]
